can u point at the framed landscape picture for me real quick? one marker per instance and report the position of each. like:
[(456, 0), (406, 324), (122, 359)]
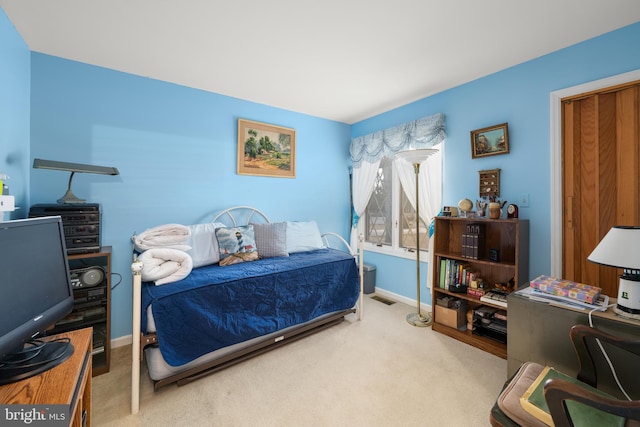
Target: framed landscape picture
[(490, 141), (266, 150)]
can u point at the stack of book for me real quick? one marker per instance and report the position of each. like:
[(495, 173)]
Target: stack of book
[(455, 274), (567, 288), (473, 241)]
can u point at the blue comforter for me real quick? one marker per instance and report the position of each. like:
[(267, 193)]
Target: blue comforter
[(215, 306)]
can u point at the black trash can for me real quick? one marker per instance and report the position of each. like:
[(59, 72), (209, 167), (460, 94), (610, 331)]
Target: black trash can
[(369, 272)]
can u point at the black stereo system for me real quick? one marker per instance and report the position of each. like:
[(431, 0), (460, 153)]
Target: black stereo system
[(81, 224), (90, 295), (87, 277)]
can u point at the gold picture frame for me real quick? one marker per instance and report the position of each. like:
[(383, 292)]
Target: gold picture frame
[(266, 150), (490, 141)]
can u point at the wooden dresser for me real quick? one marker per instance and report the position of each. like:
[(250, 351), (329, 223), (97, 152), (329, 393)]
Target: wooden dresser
[(67, 384)]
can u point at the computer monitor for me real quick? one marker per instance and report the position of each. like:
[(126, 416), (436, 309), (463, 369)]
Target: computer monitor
[(35, 293)]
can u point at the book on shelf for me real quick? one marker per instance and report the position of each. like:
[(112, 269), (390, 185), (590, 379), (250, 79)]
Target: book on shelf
[(455, 272), (447, 276), (473, 241), (476, 292)]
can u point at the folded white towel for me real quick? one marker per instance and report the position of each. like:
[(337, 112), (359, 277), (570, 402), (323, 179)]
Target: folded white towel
[(165, 265), (173, 236)]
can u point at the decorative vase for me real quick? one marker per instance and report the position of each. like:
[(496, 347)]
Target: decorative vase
[(494, 210)]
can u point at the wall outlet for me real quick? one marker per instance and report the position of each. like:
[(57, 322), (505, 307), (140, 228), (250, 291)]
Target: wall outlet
[(524, 200)]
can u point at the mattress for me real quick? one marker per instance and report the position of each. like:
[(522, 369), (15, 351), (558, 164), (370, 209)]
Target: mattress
[(160, 369), (218, 307)]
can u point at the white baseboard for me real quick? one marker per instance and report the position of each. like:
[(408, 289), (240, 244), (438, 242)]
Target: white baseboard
[(121, 341)]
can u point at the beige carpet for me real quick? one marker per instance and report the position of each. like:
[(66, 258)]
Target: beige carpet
[(380, 371)]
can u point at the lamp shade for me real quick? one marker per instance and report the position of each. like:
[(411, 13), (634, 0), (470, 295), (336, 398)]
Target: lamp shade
[(619, 248), (74, 167), (418, 155)]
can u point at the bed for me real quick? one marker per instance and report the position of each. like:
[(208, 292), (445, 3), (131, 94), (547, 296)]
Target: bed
[(195, 319)]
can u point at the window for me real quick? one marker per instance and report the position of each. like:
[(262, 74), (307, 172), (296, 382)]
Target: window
[(379, 215), (390, 219)]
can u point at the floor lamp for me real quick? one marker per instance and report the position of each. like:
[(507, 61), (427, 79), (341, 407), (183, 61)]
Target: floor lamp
[(415, 157)]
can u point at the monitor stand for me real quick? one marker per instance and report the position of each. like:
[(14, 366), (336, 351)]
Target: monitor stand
[(34, 360)]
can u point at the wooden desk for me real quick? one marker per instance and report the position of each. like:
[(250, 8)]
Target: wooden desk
[(539, 332), (67, 384)]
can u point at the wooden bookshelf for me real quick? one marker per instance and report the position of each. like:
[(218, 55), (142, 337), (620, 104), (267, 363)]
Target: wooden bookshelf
[(510, 238)]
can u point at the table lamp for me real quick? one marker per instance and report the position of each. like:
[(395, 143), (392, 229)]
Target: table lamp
[(74, 168), (620, 248)]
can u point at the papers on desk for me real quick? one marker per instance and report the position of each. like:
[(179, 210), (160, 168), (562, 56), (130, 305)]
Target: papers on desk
[(535, 295)]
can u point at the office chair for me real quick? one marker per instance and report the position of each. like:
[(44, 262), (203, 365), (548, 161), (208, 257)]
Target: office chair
[(508, 412)]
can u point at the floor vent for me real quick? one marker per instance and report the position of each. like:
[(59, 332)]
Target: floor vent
[(383, 300)]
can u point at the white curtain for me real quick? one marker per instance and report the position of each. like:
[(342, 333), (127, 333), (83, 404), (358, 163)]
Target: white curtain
[(367, 151), (363, 179)]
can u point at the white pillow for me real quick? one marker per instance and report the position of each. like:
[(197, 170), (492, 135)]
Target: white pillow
[(204, 245), (303, 236)]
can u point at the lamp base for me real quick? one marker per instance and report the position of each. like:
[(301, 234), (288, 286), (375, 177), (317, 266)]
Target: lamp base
[(70, 199), (417, 319), (628, 298), (620, 312)]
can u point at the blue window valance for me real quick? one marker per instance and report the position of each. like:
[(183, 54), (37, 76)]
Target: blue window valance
[(422, 133)]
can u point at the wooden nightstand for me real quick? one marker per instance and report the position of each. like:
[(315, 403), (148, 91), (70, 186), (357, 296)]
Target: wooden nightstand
[(67, 384)]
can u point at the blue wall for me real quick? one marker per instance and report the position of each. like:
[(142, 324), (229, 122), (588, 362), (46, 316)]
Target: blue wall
[(175, 147), (15, 71), (520, 96)]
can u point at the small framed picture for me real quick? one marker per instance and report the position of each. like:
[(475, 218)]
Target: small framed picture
[(490, 141)]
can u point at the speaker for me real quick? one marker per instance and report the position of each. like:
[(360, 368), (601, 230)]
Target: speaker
[(87, 277)]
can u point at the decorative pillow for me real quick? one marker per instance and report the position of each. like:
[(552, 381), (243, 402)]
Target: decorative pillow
[(303, 236), (237, 244), (204, 245), (271, 239)]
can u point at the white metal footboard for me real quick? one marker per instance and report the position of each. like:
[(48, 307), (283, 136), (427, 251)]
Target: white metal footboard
[(136, 271), (359, 257)]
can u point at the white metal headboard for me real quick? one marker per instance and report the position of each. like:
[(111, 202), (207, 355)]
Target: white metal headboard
[(240, 214)]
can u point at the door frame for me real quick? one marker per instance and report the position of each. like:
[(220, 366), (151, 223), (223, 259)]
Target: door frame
[(556, 156)]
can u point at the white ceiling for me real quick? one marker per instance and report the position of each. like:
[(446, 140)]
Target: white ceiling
[(344, 60)]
